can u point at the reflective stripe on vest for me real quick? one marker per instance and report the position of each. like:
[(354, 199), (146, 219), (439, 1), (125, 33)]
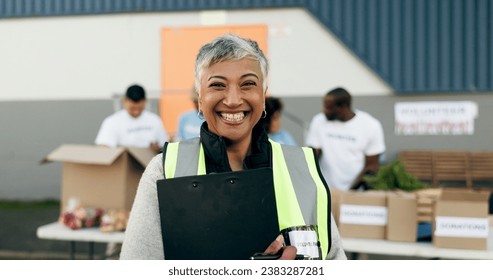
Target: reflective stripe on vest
[(296, 183), (190, 162)]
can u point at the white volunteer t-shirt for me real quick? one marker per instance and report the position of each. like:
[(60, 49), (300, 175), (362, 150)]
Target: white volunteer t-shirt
[(344, 146), (121, 129)]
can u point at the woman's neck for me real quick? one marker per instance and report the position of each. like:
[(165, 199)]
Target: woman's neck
[(237, 154)]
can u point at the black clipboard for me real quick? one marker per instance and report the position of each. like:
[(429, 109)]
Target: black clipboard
[(222, 216)]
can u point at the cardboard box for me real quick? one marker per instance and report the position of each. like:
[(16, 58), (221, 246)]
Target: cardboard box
[(100, 176), (461, 220), (363, 214), (402, 224), (426, 199)]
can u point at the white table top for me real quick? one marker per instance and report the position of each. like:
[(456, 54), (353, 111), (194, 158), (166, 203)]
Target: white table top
[(415, 249), (57, 231)]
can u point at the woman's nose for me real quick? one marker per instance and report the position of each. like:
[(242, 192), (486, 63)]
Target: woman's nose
[(233, 97)]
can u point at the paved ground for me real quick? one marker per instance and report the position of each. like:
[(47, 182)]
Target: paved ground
[(18, 238)]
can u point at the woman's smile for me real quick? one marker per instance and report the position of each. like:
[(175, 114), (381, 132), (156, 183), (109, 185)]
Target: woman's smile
[(235, 118)]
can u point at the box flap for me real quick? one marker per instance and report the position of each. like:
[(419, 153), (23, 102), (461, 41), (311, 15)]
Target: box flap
[(375, 198), (430, 193), (401, 194), (142, 155), (464, 195), (84, 154)]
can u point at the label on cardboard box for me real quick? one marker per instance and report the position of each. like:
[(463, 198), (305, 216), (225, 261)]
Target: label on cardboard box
[(363, 215), (461, 227)]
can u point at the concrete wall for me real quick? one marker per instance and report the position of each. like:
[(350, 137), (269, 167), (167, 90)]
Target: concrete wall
[(57, 76)]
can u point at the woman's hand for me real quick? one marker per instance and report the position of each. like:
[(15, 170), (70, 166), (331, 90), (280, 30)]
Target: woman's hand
[(289, 252)]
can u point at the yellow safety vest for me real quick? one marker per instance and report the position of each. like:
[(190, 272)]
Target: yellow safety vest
[(297, 183)]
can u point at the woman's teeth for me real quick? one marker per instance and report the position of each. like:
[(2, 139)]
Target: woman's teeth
[(233, 117)]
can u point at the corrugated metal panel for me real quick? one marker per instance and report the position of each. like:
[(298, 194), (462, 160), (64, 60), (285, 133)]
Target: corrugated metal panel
[(414, 45), (418, 45), (33, 8)]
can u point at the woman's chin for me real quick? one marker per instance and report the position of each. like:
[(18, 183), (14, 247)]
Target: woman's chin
[(234, 135)]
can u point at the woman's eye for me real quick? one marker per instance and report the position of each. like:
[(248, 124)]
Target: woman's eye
[(216, 85), (249, 83)]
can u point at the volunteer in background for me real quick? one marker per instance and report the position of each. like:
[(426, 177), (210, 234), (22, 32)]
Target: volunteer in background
[(189, 122), (348, 143), (133, 126), (272, 122)]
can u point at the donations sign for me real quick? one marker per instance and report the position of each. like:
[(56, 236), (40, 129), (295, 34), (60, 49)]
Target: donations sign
[(435, 118)]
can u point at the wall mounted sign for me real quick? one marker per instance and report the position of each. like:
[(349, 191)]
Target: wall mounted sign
[(435, 118)]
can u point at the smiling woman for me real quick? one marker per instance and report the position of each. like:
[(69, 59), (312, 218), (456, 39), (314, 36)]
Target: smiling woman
[(231, 98), (230, 78), (231, 85)]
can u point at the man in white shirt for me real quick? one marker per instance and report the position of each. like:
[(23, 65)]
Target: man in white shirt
[(133, 126), (348, 143)]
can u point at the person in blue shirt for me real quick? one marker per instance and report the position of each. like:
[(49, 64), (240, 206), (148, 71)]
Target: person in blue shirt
[(189, 122), (272, 122)]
